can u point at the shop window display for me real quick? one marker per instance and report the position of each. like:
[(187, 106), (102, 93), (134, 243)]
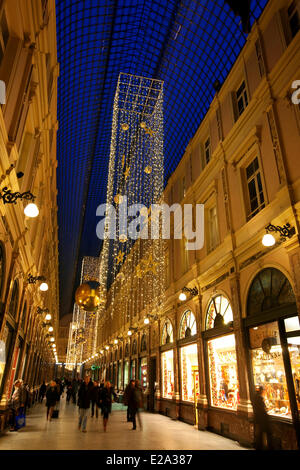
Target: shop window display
[(167, 367), (144, 373), (126, 373), (268, 368), (189, 367), (224, 386)]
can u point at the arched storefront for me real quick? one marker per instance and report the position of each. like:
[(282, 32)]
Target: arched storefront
[(188, 356), (273, 332), (221, 363), (167, 361)]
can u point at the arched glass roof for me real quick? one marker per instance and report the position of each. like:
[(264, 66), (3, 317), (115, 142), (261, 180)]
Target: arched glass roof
[(189, 44)]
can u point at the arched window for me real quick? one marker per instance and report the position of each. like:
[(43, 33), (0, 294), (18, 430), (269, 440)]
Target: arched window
[(269, 289), (143, 343), (127, 350), (120, 353), (13, 306), (116, 354), (167, 333), (187, 325), (219, 312), (2, 267), (134, 347)]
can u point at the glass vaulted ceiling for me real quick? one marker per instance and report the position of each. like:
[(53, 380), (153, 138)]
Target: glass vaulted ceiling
[(188, 44)]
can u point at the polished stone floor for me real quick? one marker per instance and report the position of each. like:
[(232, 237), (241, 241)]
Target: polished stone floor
[(158, 433)]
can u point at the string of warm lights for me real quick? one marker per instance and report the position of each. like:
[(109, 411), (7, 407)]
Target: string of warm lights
[(134, 270)]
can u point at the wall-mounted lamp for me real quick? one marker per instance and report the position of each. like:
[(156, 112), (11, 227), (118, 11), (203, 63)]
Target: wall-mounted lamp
[(150, 317), (8, 197), (131, 330), (48, 317), (32, 279), (285, 232), (193, 291)]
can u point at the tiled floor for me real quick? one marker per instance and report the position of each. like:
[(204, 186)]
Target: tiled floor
[(158, 433)]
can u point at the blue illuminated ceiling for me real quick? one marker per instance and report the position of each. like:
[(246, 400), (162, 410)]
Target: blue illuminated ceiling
[(188, 44)]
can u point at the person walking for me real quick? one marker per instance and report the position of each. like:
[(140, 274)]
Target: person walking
[(42, 391), (106, 398), (261, 421), (17, 403), (75, 386), (135, 401), (84, 402), (126, 397), (95, 398), (52, 397), (69, 391)]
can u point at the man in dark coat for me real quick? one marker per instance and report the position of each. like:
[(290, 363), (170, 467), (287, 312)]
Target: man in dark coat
[(135, 401), (95, 398), (126, 397), (84, 402), (261, 421)]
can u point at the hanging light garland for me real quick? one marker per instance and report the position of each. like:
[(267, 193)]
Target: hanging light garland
[(134, 270)]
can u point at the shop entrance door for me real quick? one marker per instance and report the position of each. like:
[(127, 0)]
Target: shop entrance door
[(152, 380)]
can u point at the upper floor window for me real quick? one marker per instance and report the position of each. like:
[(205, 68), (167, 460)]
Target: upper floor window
[(207, 151), (241, 98), (293, 18), (213, 232), (255, 188)]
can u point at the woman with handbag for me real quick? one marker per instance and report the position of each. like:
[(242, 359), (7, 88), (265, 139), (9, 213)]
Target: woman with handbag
[(52, 397), (106, 398)]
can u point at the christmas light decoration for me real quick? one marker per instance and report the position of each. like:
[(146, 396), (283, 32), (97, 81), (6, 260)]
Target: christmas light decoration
[(133, 269)]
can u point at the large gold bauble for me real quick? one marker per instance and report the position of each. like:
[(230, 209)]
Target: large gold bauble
[(92, 301), (82, 293), (87, 298)]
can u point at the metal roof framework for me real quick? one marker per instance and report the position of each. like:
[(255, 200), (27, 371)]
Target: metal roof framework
[(188, 44)]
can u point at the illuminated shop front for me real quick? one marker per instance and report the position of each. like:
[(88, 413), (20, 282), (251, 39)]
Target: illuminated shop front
[(221, 354), (224, 391), (126, 373), (167, 361), (274, 343), (189, 372), (120, 383), (167, 367), (144, 373)]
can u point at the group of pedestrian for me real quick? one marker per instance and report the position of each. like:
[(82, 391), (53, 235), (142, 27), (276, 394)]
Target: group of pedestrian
[(98, 397)]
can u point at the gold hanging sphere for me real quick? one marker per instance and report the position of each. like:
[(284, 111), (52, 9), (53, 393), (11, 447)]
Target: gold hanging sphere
[(125, 126), (87, 298), (143, 125), (148, 169), (82, 293)]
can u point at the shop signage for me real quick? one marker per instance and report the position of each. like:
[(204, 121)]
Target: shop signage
[(95, 367)]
